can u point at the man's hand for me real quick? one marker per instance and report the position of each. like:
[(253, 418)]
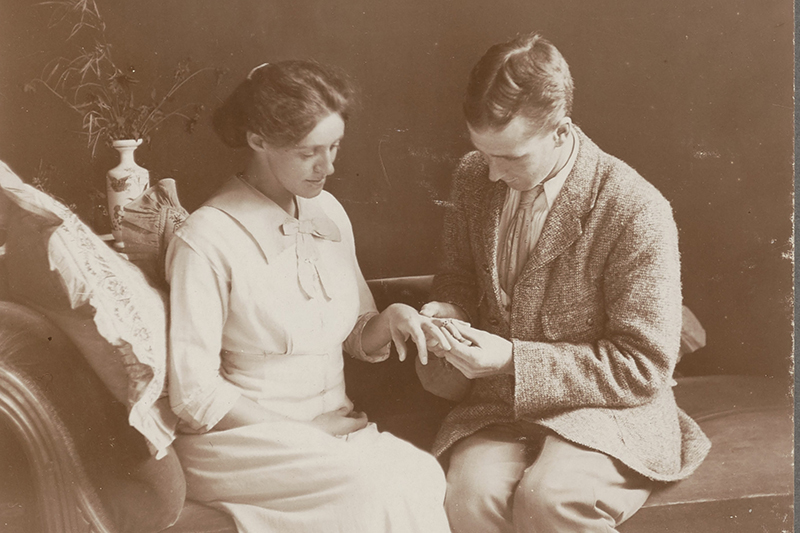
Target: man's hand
[(443, 310), (478, 354)]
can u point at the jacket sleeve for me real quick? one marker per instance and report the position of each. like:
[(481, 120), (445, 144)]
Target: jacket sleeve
[(637, 350), (456, 282)]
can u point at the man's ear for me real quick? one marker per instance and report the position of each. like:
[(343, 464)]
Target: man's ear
[(256, 142), (562, 130)]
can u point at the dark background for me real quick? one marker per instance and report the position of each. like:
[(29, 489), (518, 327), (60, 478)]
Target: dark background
[(697, 96)]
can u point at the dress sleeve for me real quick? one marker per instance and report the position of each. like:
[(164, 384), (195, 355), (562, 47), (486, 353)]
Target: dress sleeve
[(199, 298), (366, 303), (352, 344)]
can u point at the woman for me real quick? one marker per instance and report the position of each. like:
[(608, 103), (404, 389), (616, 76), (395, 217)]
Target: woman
[(265, 293)]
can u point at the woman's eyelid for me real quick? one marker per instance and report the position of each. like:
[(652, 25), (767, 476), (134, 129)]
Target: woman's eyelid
[(311, 152)]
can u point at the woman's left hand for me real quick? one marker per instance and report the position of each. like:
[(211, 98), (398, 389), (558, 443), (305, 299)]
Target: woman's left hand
[(340, 422), (404, 322)]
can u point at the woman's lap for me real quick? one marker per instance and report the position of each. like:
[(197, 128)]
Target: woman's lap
[(293, 473)]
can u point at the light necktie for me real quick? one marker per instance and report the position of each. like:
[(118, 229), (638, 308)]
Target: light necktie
[(309, 269), (523, 233)]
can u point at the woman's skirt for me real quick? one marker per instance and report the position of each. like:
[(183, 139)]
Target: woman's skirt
[(291, 477)]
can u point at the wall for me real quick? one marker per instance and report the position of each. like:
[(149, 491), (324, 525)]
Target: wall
[(695, 95)]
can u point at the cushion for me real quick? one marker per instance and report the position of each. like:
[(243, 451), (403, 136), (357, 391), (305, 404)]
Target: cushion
[(148, 224), (693, 336), (103, 303), (746, 483)]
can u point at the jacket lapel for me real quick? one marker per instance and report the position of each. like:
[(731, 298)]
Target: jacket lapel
[(495, 198), (564, 224)]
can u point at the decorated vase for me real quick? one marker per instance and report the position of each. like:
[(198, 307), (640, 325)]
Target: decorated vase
[(124, 183)]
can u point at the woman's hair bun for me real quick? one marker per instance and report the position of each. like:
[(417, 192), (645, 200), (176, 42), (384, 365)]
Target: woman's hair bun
[(282, 102)]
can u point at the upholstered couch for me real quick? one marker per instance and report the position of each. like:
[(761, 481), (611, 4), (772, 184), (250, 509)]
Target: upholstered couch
[(74, 463), (82, 457)]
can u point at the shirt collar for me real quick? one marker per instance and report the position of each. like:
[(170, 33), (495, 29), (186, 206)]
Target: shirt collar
[(553, 186)]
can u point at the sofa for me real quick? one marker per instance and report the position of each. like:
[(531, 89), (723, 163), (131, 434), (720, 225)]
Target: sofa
[(80, 454), (84, 449)]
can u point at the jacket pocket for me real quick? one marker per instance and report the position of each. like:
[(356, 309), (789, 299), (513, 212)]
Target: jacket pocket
[(582, 321)]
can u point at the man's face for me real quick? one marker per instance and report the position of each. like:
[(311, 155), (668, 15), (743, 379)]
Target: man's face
[(518, 155)]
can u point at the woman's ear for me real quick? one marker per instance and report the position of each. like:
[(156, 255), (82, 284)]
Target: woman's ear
[(256, 142)]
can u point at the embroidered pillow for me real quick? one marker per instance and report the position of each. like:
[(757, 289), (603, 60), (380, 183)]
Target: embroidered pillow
[(104, 304), (148, 224)]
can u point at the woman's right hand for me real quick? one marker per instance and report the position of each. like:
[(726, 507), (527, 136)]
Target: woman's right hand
[(340, 422)]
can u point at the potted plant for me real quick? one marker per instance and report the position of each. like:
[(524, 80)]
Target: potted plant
[(115, 108)]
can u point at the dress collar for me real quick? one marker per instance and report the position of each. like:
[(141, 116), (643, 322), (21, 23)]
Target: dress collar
[(260, 216)]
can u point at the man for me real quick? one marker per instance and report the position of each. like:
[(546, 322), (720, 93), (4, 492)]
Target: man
[(566, 263)]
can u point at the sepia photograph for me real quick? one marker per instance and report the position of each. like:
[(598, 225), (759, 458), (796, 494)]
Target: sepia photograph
[(409, 266)]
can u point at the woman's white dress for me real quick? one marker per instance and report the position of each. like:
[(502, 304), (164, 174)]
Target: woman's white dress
[(261, 305)]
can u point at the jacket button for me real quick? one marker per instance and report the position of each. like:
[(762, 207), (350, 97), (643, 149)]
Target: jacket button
[(486, 269), (493, 321), (590, 321)]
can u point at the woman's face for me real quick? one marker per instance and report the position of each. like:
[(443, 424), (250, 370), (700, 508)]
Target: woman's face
[(301, 169)]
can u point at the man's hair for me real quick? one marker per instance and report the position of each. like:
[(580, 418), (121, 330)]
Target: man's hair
[(283, 102), (526, 76)]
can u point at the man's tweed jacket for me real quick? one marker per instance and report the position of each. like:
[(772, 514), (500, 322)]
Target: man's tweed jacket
[(595, 317)]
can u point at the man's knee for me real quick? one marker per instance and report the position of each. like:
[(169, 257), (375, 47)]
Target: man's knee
[(473, 498), (478, 498), (570, 488), (544, 499)]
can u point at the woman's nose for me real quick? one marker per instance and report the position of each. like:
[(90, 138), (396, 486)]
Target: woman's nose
[(325, 166)]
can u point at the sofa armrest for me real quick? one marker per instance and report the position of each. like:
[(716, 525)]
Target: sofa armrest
[(33, 370), (90, 470), (390, 392), (411, 290)]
